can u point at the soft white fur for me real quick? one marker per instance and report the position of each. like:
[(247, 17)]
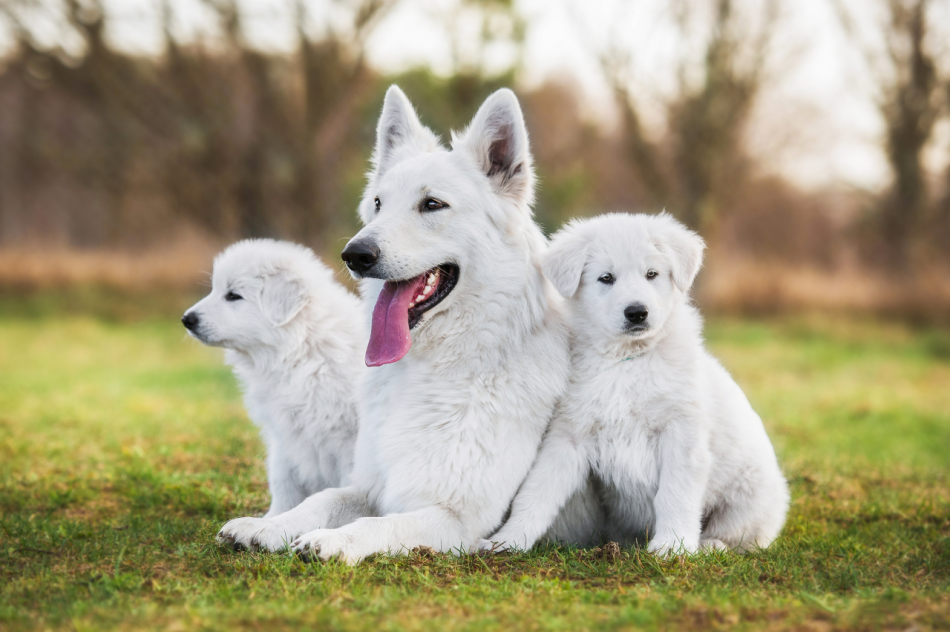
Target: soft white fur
[(295, 341), (650, 420), (450, 431)]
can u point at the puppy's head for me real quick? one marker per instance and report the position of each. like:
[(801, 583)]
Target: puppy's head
[(433, 216), (258, 288), (624, 273)]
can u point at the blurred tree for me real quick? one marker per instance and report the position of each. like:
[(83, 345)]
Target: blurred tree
[(909, 99), (708, 119), (238, 141), (113, 85), (699, 163)]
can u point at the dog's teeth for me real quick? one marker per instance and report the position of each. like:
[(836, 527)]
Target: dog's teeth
[(420, 298), (412, 304), (431, 279), (427, 289)]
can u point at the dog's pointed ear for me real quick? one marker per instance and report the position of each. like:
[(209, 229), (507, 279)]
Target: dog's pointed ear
[(564, 262), (684, 249), (498, 140), (399, 133), (282, 298)]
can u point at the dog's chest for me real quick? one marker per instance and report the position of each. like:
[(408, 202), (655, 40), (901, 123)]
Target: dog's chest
[(450, 439), (623, 413)]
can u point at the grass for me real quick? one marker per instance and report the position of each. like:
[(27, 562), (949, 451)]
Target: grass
[(124, 447)]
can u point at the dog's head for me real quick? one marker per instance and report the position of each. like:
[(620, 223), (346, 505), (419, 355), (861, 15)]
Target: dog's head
[(624, 273), (258, 288), (432, 216)]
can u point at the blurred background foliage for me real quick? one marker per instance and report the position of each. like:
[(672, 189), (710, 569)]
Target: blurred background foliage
[(107, 154)]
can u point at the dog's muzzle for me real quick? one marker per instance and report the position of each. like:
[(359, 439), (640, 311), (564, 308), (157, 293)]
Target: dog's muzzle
[(635, 318), (360, 256), (190, 320)]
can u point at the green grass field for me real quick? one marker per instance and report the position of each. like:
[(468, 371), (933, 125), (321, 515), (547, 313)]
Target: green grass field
[(124, 447)]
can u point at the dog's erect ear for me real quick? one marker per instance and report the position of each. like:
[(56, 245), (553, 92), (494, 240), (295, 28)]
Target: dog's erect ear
[(564, 261), (399, 133), (282, 298), (498, 140), (684, 249)]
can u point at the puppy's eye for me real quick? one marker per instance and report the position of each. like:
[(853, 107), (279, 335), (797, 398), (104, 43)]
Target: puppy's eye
[(652, 274), (607, 279), (377, 203), (232, 296), (432, 204)]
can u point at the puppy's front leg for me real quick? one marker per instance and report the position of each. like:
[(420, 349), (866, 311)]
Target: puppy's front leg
[(285, 492), (438, 527), (327, 509), (559, 470), (685, 462)]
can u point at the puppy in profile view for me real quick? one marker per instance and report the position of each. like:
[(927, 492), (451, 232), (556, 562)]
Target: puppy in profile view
[(679, 457), (295, 339)]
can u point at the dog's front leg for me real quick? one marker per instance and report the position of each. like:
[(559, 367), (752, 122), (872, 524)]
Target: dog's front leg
[(559, 470), (685, 462), (285, 492), (328, 509), (437, 527)]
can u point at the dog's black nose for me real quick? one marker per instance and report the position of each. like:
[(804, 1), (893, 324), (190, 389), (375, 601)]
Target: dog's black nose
[(636, 313), (190, 321), (360, 255)]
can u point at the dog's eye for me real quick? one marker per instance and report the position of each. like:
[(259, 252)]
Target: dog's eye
[(606, 278), (652, 274), (378, 204), (232, 296), (432, 204)]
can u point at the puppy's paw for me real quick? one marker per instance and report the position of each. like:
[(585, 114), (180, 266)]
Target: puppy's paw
[(712, 544), (254, 534), (487, 547), (664, 547), (325, 544)]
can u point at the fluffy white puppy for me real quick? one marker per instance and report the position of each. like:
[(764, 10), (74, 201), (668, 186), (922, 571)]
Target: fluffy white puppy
[(295, 339), (469, 345), (678, 454)]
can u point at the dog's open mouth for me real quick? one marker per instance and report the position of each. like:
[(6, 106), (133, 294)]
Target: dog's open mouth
[(400, 307)]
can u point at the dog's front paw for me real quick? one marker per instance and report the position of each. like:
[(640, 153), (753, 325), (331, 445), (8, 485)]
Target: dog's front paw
[(664, 547), (326, 544), (254, 534), (713, 544), (488, 547)]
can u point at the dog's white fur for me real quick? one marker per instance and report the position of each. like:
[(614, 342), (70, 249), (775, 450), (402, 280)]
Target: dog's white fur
[(677, 453), (295, 341), (450, 431)]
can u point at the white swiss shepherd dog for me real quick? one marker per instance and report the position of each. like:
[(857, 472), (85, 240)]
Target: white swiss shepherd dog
[(676, 452), (469, 339), (295, 339)]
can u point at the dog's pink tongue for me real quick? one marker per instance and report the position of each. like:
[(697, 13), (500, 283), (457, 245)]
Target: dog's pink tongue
[(390, 340)]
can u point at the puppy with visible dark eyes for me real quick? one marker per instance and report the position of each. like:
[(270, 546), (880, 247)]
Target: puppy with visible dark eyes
[(649, 419), (294, 338)]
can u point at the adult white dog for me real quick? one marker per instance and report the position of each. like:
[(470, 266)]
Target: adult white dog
[(469, 338), (295, 339), (680, 456)]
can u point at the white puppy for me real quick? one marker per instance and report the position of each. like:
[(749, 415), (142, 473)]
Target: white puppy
[(676, 451), (468, 344), (295, 339)]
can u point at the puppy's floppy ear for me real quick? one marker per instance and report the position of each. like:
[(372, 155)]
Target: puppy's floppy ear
[(498, 140), (282, 298), (564, 261), (684, 249), (399, 133)]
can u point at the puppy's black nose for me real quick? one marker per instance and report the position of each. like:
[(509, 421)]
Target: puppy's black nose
[(636, 313), (190, 321), (360, 255)]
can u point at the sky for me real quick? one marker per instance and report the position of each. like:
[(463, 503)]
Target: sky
[(816, 122)]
